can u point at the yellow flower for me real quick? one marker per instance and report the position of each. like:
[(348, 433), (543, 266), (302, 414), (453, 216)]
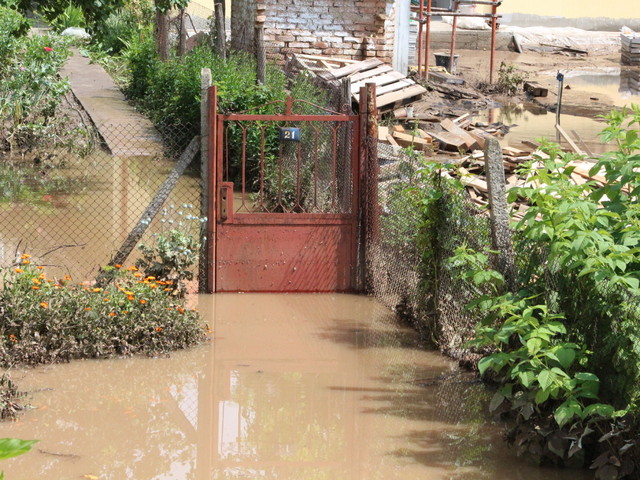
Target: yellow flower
[(151, 278), (26, 262), (25, 256), (19, 270), (132, 268), (36, 281), (42, 276)]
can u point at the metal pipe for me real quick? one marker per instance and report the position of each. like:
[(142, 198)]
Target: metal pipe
[(453, 38), (560, 78), (474, 15), (494, 25), (479, 2), (419, 43), (427, 42)]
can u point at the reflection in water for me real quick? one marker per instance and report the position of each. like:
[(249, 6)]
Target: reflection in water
[(294, 387)]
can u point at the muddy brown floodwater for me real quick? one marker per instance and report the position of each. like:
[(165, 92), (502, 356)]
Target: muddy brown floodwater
[(293, 387)]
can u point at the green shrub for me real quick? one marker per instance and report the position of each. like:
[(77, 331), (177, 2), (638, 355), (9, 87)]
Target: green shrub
[(50, 320), (70, 16)]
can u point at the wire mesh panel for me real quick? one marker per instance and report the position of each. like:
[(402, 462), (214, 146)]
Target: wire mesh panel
[(72, 210)]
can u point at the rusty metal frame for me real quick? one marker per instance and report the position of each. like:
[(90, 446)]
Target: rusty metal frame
[(424, 18), (221, 214)]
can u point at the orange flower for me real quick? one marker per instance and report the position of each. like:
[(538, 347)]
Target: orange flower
[(112, 314), (130, 297), (44, 304), (143, 301), (151, 278), (42, 276), (35, 288), (158, 329), (67, 277), (26, 262), (169, 282), (169, 308), (97, 290), (36, 281), (137, 274), (106, 299), (152, 286), (167, 289), (181, 310), (133, 268), (19, 270), (127, 292), (117, 265), (126, 311), (25, 256), (87, 309), (13, 338), (40, 267)]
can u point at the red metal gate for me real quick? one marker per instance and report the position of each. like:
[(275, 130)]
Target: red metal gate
[(285, 200)]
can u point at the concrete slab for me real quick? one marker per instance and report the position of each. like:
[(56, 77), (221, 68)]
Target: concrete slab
[(125, 131)]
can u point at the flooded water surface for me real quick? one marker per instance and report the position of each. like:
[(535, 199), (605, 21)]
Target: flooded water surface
[(292, 387)]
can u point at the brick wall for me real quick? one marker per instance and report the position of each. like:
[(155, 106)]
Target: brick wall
[(353, 28)]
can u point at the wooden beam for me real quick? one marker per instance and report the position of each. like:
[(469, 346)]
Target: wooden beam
[(569, 140), (391, 98), (356, 67), (370, 73)]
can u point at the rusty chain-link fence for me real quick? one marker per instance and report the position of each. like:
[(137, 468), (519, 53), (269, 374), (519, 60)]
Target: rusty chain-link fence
[(73, 211)]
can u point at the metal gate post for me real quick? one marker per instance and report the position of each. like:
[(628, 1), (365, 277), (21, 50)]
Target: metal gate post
[(211, 189)]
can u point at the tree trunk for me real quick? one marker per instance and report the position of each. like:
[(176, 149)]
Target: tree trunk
[(162, 34)]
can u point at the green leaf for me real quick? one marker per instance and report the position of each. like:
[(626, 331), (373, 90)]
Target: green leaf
[(565, 356), (586, 377), (546, 378), (496, 401), (12, 447), (534, 345), (541, 396), (526, 378), (601, 409), (484, 364)]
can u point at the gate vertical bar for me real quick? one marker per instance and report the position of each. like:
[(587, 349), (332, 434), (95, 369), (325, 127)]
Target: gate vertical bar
[(203, 264), (212, 188)]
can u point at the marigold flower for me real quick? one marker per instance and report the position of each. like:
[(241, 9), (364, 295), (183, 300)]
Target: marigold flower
[(44, 304), (40, 267), (87, 309), (158, 329), (137, 274), (133, 268), (181, 310), (48, 49), (130, 297), (19, 270), (13, 338), (35, 288), (67, 277), (106, 299), (167, 289), (112, 314), (169, 282), (117, 265), (153, 286), (97, 290), (143, 301), (36, 281), (25, 256), (151, 278), (127, 292), (26, 262), (126, 311)]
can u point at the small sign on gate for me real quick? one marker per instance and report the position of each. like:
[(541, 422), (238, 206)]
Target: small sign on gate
[(290, 134)]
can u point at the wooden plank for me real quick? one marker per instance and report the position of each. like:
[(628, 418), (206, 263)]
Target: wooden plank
[(429, 117), (409, 140), (569, 140), (378, 80), (471, 180), (356, 67), (449, 141), (392, 141), (535, 89), (393, 97), (382, 133), (392, 87), (449, 126), (327, 59), (370, 73), (445, 78)]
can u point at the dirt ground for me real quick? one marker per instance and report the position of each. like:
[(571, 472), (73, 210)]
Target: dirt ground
[(473, 67)]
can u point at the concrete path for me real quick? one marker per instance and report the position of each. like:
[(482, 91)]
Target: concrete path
[(125, 131)]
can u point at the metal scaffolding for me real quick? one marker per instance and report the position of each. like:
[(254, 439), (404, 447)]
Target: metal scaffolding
[(426, 11)]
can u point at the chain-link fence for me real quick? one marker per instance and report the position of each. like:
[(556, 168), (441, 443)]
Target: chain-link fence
[(73, 211)]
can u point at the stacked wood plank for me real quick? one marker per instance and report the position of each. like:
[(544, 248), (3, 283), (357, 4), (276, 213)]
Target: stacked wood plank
[(630, 48), (392, 87)]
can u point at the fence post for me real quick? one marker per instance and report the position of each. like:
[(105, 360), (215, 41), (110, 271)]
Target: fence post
[(261, 56), (499, 212), (221, 34), (205, 83)]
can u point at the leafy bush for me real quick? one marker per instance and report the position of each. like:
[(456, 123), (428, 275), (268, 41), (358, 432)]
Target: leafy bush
[(60, 20), (50, 320)]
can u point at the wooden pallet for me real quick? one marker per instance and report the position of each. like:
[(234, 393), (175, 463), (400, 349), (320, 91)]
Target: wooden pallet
[(392, 88), (630, 49)]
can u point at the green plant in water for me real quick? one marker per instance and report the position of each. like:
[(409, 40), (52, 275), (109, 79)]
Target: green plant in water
[(13, 447), (510, 78)]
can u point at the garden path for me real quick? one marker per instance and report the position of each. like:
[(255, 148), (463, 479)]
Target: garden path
[(115, 119)]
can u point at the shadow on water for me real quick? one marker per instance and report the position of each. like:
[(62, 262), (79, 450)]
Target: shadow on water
[(293, 387)]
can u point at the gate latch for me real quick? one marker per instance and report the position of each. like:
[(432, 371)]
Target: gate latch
[(225, 201)]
